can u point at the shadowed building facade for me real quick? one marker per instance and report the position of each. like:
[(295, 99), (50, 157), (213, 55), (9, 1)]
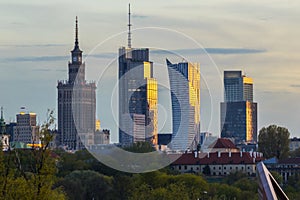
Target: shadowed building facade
[(238, 111), (185, 96), (137, 95), (76, 104)]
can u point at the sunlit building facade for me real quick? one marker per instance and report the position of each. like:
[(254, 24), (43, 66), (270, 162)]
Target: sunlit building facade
[(238, 111), (184, 80), (137, 97), (26, 130)]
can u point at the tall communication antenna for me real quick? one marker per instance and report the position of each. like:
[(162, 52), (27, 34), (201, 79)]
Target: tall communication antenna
[(129, 28), (76, 32)]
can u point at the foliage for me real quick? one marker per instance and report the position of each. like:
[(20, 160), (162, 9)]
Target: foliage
[(206, 170), (295, 153), (30, 174), (86, 184), (140, 147), (277, 177), (273, 141)]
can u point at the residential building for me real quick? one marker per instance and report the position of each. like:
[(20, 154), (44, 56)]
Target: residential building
[(76, 104), (184, 80), (238, 111), (294, 143), (137, 95), (286, 167)]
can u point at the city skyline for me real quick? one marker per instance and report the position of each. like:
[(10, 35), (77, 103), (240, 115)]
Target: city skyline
[(32, 49)]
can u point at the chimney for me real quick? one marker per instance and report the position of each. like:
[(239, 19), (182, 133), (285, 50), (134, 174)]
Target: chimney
[(229, 154), (254, 154), (241, 154), (251, 153), (196, 154), (207, 154), (219, 154)]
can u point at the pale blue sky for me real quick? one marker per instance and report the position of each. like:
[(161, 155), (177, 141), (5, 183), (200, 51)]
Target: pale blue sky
[(37, 36)]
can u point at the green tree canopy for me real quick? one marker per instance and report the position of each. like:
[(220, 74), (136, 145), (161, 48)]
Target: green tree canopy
[(273, 141)]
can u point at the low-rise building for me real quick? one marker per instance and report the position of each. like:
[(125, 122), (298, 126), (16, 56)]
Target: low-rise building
[(286, 167), (218, 163), (102, 137), (294, 143), (223, 145)]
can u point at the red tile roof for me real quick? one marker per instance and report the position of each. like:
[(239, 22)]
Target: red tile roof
[(223, 143), (214, 159)]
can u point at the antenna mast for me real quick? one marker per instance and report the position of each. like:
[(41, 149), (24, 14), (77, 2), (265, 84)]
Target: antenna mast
[(129, 28)]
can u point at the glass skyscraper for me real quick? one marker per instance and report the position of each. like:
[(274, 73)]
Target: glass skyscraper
[(184, 80), (238, 111), (137, 96)]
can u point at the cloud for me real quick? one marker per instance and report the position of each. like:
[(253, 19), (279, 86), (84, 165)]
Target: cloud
[(213, 51), (139, 16), (34, 59), (111, 55), (33, 45), (295, 85)]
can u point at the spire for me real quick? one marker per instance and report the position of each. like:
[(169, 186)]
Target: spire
[(2, 123), (1, 113), (129, 28), (76, 34)]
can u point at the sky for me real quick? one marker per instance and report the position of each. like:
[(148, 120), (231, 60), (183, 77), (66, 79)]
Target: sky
[(259, 37)]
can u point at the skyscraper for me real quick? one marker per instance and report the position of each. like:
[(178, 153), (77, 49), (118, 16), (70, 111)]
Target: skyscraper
[(137, 95), (76, 103), (238, 111), (184, 80)]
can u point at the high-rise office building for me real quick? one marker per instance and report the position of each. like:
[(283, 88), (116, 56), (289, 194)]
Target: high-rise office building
[(238, 111), (237, 87), (26, 130), (76, 104), (184, 80), (137, 95)]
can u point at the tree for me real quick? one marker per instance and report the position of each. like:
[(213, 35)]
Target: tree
[(140, 147), (206, 170), (30, 174), (86, 184), (273, 141)]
